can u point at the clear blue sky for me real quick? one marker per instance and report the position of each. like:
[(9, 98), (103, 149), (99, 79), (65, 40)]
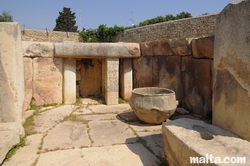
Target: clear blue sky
[(41, 14)]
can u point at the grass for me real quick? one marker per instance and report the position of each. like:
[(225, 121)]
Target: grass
[(78, 101), (120, 101), (50, 104), (29, 124), (13, 150)]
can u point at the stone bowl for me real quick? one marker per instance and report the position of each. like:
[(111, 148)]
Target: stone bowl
[(153, 105)]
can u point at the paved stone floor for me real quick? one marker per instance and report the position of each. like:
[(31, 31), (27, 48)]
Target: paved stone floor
[(89, 134)]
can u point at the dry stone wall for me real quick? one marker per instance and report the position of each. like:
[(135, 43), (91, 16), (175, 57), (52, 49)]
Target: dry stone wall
[(49, 36), (195, 27)]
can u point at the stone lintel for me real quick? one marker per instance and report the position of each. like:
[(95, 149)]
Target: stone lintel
[(184, 138), (37, 49), (97, 50)]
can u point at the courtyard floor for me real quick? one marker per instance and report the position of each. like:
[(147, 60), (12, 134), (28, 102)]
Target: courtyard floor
[(90, 134)]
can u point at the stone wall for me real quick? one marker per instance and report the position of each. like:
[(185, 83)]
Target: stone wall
[(43, 73), (184, 66), (178, 29), (49, 36)]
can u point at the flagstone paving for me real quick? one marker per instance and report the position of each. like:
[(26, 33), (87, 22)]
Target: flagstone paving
[(89, 134)]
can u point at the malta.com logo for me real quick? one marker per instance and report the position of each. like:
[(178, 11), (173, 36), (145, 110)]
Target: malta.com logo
[(209, 159)]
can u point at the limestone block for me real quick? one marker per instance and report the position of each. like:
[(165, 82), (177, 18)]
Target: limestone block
[(142, 71), (159, 71), (97, 50), (196, 79), (69, 85), (37, 49), (11, 74), (203, 47), (231, 101), (47, 80), (167, 74), (9, 136), (28, 73), (166, 47), (91, 77), (184, 138), (126, 78), (111, 90)]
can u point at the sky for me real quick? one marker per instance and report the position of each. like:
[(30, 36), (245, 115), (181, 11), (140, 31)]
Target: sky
[(41, 14)]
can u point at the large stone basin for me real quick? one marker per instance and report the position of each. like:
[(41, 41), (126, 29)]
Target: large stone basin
[(152, 104)]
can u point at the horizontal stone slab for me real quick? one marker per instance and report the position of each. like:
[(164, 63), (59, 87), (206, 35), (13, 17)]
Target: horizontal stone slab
[(37, 49), (184, 138), (97, 50)]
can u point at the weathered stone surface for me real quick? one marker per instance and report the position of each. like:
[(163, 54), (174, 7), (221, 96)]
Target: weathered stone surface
[(167, 74), (72, 135), (153, 140), (28, 82), (153, 105), (196, 79), (9, 136), (124, 155), (168, 47), (91, 77), (69, 78), (100, 109), (231, 101), (26, 155), (159, 71), (126, 78), (38, 49), (62, 157), (11, 74), (48, 119), (111, 80), (142, 72), (185, 138), (97, 50), (47, 80), (102, 135), (203, 47)]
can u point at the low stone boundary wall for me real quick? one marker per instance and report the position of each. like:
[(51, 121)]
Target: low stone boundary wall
[(49, 36), (194, 27)]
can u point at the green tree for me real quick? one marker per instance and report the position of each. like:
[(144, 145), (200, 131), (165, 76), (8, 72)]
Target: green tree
[(101, 34), (66, 21), (168, 17), (183, 15), (6, 17)]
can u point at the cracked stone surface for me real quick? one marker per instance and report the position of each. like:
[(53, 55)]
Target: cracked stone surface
[(88, 134)]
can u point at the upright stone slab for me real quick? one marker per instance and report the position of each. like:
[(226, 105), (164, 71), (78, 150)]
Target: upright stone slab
[(111, 80), (126, 78), (69, 86), (11, 74), (231, 98), (47, 80)]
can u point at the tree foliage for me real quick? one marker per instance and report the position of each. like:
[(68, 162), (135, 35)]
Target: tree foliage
[(66, 21), (6, 17), (168, 17), (101, 34)]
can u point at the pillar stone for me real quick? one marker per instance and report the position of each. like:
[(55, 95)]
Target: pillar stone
[(110, 80), (69, 86), (126, 77), (11, 74)]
